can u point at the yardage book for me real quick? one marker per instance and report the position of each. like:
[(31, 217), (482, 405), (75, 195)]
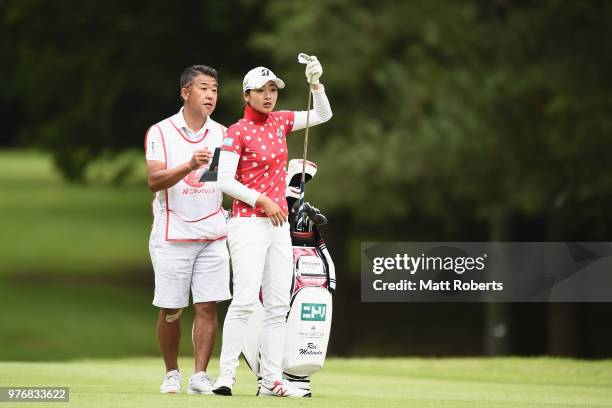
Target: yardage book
[(211, 173)]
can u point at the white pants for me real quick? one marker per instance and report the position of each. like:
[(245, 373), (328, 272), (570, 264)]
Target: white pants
[(261, 258)]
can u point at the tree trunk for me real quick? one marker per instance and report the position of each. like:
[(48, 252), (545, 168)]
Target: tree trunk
[(563, 329), (498, 315), (563, 318)]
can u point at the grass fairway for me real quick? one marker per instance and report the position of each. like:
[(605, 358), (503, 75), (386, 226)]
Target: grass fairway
[(50, 227), (380, 383)]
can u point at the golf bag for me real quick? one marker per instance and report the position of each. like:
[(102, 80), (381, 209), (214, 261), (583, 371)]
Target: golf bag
[(314, 283)]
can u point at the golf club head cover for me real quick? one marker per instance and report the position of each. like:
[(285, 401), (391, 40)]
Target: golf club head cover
[(293, 196), (294, 172), (314, 214)]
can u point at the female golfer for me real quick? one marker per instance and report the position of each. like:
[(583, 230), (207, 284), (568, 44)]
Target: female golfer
[(252, 169)]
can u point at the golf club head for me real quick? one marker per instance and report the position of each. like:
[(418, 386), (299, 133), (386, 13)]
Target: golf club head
[(304, 58), (314, 214), (306, 214)]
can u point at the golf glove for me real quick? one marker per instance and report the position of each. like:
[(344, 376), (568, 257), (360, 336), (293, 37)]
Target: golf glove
[(314, 70)]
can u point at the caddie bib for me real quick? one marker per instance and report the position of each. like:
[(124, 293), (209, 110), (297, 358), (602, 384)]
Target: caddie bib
[(193, 209)]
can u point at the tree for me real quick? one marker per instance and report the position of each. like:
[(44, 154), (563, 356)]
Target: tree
[(87, 79), (501, 106), (492, 102)]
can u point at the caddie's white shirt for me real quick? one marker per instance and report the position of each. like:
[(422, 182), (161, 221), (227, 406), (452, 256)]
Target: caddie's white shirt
[(191, 210)]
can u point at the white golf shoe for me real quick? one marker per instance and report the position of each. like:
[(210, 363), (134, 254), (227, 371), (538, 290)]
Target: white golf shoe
[(224, 384), (200, 383), (281, 389), (171, 383)]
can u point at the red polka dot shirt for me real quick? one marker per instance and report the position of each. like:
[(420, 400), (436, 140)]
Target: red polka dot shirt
[(260, 140)]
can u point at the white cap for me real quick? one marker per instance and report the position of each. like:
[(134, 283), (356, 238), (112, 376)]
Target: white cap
[(257, 77)]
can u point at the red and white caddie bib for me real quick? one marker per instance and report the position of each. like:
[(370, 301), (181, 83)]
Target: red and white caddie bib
[(191, 210)]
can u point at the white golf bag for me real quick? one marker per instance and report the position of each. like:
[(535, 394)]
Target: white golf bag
[(314, 282)]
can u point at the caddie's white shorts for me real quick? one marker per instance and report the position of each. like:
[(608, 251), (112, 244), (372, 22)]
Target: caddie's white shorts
[(202, 267)]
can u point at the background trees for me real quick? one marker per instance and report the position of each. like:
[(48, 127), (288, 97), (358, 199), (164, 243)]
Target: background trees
[(466, 120)]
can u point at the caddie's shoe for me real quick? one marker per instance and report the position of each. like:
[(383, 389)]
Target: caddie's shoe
[(171, 383), (224, 384), (200, 383), (281, 389)]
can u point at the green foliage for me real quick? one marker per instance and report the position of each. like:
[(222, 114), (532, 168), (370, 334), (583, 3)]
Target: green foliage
[(504, 106), (500, 107), (88, 79)]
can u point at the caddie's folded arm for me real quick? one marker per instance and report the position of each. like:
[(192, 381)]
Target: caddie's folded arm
[(226, 179), (321, 110), (160, 178)]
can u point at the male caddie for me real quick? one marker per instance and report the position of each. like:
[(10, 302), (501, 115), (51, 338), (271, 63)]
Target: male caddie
[(187, 244)]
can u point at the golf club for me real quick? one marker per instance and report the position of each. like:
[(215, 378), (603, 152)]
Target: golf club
[(301, 224)]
